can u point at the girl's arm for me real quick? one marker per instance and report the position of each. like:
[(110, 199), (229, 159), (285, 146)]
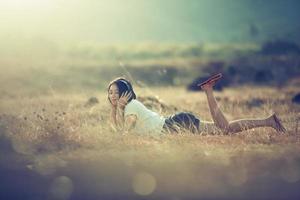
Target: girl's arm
[(130, 122), (124, 124), (117, 118)]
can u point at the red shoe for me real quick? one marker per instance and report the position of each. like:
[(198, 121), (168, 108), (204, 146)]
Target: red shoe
[(211, 79)]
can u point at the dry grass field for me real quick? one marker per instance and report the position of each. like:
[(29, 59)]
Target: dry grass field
[(56, 143), (60, 146)]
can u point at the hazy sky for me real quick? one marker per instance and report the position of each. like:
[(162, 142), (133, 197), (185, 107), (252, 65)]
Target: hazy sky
[(113, 21)]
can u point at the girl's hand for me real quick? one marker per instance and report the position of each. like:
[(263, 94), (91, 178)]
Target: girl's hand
[(123, 100)]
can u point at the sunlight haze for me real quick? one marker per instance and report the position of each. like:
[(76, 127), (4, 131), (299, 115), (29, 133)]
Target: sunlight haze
[(117, 21)]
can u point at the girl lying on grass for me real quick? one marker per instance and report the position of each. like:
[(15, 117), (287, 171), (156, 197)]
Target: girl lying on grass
[(129, 114)]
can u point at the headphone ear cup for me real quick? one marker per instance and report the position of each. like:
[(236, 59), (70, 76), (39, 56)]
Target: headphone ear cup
[(129, 88), (127, 84)]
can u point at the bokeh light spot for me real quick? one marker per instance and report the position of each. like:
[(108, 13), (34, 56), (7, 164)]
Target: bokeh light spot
[(143, 183), (238, 177), (61, 188), (290, 173), (22, 147)]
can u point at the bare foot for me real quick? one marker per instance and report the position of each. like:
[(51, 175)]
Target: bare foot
[(276, 124), (208, 86)]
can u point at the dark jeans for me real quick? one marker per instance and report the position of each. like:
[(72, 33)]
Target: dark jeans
[(182, 120)]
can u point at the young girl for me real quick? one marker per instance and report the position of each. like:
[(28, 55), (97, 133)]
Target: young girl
[(129, 114)]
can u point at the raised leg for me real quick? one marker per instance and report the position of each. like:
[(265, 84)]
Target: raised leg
[(217, 115), (227, 127)]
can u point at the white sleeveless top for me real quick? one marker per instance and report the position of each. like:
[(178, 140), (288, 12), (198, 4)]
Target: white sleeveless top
[(148, 122)]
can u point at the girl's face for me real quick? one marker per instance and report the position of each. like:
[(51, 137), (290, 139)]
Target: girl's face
[(113, 94)]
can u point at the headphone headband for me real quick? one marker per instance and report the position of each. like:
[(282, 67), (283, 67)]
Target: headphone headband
[(126, 83)]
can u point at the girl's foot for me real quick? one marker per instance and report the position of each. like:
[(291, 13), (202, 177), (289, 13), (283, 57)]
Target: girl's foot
[(210, 82), (276, 124)]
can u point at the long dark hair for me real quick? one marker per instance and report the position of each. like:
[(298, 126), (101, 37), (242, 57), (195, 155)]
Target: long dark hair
[(124, 86)]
